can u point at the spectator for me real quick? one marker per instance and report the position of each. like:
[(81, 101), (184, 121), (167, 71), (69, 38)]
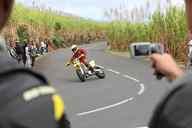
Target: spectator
[(43, 47), (26, 98), (175, 110), (189, 54), (33, 53), (38, 48), (28, 55), (190, 47), (12, 51), (46, 46), (20, 52)]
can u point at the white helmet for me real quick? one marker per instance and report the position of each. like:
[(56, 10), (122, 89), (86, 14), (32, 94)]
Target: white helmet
[(73, 47)]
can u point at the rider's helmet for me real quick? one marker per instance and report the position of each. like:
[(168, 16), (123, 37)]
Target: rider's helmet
[(74, 48)]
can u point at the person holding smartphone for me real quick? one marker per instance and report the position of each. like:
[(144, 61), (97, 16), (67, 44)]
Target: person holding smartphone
[(175, 109)]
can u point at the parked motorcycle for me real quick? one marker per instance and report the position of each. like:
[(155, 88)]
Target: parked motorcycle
[(83, 72)]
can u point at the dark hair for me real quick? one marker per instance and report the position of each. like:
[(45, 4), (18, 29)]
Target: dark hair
[(5, 9)]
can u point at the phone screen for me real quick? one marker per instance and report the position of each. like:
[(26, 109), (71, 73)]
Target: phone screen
[(142, 50)]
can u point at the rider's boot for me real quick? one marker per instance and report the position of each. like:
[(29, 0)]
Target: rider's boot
[(90, 68)]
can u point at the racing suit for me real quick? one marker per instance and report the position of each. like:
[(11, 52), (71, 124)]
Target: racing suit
[(81, 54)]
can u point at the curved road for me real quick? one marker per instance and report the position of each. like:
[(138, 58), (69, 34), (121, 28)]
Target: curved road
[(125, 99)]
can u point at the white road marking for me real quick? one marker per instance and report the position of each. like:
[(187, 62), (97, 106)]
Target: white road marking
[(131, 78), (113, 71), (143, 127), (106, 107), (142, 89)]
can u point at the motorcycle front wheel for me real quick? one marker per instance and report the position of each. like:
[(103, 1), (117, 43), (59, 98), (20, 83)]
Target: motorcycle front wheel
[(81, 75)]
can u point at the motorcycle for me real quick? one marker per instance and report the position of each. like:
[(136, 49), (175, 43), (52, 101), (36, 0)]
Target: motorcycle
[(83, 72)]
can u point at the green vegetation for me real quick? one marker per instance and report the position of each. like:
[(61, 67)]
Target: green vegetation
[(47, 24), (167, 27), (22, 33), (50, 18), (57, 40)]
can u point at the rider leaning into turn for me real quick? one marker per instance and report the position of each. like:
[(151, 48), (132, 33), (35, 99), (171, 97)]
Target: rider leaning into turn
[(81, 55)]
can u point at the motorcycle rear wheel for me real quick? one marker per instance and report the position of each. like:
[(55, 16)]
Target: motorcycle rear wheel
[(100, 74)]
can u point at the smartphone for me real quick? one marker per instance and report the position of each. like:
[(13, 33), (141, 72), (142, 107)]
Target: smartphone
[(144, 49)]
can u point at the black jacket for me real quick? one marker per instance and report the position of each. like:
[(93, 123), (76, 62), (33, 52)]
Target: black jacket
[(175, 109), (18, 112)]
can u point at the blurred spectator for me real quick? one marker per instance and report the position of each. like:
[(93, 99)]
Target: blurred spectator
[(19, 48), (175, 109), (38, 48), (33, 53), (11, 50), (190, 47), (26, 98), (189, 63), (28, 55), (43, 47), (46, 46)]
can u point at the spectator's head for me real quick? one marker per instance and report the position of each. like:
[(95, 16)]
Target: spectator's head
[(5, 9)]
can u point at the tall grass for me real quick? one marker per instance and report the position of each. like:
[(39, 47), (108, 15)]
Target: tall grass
[(43, 24), (166, 26)]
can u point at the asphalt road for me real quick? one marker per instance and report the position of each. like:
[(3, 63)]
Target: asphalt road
[(125, 99)]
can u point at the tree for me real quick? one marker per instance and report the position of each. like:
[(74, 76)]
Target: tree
[(189, 14)]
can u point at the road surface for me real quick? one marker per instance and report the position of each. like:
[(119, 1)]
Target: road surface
[(125, 99)]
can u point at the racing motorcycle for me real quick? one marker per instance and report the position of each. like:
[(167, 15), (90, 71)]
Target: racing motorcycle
[(83, 72)]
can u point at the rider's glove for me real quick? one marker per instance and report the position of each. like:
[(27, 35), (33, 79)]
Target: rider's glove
[(67, 64)]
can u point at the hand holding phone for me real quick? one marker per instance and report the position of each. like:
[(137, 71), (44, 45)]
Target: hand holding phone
[(165, 65)]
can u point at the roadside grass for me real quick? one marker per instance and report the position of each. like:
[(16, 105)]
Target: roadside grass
[(168, 27)]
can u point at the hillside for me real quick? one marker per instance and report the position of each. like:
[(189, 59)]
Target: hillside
[(61, 29)]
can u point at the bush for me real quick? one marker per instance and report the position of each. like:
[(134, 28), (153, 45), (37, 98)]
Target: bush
[(22, 33), (168, 27), (57, 26), (44, 23), (57, 40)]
